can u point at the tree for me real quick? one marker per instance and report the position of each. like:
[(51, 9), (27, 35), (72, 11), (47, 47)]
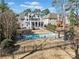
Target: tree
[(8, 27), (7, 46), (28, 10), (46, 11), (72, 18), (61, 3), (75, 7), (3, 7), (37, 11), (8, 23)]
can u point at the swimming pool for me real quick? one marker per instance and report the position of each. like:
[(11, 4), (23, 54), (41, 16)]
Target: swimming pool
[(44, 35)]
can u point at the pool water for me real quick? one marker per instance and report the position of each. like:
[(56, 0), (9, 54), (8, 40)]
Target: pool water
[(35, 36)]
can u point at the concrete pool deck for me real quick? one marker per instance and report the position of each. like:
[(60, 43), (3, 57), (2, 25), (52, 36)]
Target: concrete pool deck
[(40, 31)]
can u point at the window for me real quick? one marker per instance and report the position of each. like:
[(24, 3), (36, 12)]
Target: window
[(22, 18), (32, 23), (27, 25), (24, 27), (41, 24), (27, 19), (26, 14), (22, 24), (26, 22), (29, 15), (38, 15)]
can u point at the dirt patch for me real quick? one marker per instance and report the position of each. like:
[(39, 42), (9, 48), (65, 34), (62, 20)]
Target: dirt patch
[(51, 53)]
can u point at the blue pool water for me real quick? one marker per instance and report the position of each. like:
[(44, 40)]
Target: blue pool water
[(35, 36)]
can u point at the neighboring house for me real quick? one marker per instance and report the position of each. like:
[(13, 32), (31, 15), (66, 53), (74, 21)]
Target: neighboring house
[(67, 21), (51, 18), (30, 21)]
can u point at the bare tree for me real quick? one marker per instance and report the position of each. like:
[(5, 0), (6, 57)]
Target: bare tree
[(8, 23)]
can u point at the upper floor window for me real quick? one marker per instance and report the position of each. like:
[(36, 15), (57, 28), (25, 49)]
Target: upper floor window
[(22, 25), (22, 18), (38, 15), (27, 19), (29, 15), (26, 14)]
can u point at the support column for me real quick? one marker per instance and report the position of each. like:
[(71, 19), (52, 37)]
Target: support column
[(43, 24), (34, 24), (38, 24), (30, 25)]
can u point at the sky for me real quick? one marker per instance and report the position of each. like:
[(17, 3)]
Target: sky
[(19, 6)]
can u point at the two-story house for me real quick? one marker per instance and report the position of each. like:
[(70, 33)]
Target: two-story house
[(30, 21)]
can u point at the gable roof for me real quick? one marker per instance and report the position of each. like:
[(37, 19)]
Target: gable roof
[(50, 16)]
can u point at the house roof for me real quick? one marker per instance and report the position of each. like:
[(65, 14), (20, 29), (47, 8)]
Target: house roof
[(50, 16), (22, 15), (78, 17), (26, 14)]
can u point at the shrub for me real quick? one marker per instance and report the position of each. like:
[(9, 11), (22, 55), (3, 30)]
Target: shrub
[(51, 27), (6, 46), (70, 34)]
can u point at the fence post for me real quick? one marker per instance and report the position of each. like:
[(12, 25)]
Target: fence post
[(76, 49), (24, 49), (13, 57)]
